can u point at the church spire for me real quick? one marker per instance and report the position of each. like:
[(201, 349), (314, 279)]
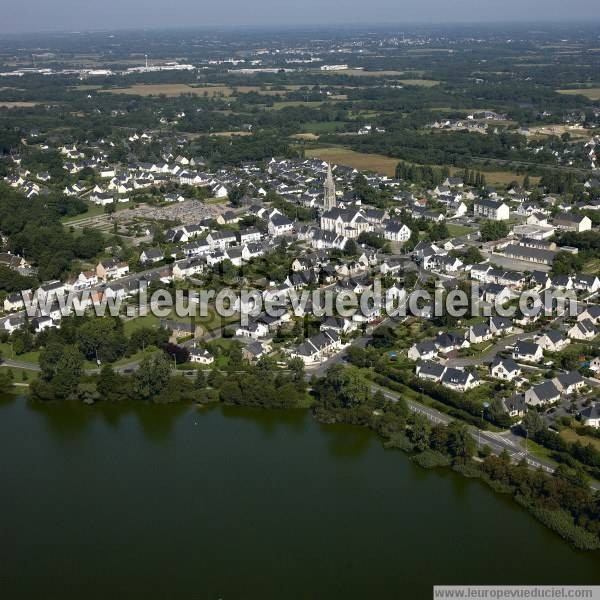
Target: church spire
[(329, 190)]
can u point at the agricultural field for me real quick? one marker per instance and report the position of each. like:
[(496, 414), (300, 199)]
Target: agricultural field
[(592, 93), (387, 165), (357, 160), (419, 82), (18, 104), (363, 73), (172, 90), (572, 436)]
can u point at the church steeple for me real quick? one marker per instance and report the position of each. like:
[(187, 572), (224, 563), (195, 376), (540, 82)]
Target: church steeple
[(329, 190)]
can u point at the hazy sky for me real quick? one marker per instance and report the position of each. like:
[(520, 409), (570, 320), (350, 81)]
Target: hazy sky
[(74, 15)]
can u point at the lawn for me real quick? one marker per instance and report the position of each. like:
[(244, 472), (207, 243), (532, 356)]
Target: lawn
[(21, 375), (456, 230), (592, 266), (6, 351), (322, 126), (210, 322), (94, 210)]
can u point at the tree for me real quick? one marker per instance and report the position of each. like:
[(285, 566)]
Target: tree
[(472, 256), (231, 392), (420, 432), (493, 230), (6, 381), (297, 371), (152, 377), (110, 384), (460, 442), (61, 367), (350, 249), (200, 380), (532, 423)]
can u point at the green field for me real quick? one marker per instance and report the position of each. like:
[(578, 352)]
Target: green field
[(6, 351), (457, 230)]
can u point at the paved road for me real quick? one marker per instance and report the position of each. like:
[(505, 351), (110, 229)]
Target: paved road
[(490, 353), (19, 364)]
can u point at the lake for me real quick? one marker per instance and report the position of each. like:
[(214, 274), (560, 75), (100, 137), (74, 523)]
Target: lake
[(144, 501)]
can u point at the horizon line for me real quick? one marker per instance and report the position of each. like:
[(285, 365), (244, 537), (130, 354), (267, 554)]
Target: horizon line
[(307, 26)]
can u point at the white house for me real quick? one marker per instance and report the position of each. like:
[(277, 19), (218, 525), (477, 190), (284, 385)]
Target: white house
[(201, 356), (396, 232), (590, 416), (422, 351), (582, 330), (494, 210), (318, 347), (552, 341), (569, 383), (527, 351), (280, 225), (505, 369)]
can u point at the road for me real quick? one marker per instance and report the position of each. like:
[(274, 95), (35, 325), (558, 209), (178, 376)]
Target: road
[(490, 353), (498, 442)]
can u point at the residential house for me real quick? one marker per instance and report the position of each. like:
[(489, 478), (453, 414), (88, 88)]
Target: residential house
[(255, 351), (583, 330), (188, 268), (318, 347), (221, 239), (590, 416), (479, 333), (494, 210), (396, 232), (430, 370), (449, 342), (552, 341), (591, 313), (253, 329), (426, 350), (569, 383), (459, 380), (280, 225), (14, 301), (151, 255), (505, 369), (542, 394), (515, 406), (571, 222), (501, 326), (587, 283), (201, 356), (527, 351), (111, 269)]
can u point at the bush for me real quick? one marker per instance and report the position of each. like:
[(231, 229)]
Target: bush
[(430, 459), (399, 441)]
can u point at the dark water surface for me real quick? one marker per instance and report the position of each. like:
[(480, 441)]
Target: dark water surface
[(180, 502)]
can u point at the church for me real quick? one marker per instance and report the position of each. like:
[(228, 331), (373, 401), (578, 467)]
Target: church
[(348, 222)]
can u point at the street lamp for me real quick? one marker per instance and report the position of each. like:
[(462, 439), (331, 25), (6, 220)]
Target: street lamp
[(483, 409)]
